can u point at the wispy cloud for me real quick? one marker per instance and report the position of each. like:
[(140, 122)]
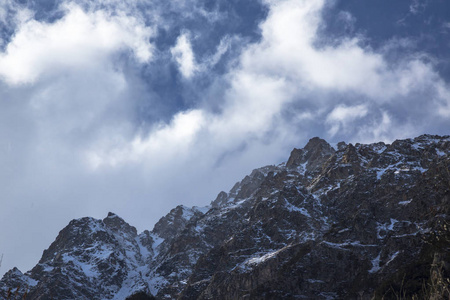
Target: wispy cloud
[(341, 116), (183, 55)]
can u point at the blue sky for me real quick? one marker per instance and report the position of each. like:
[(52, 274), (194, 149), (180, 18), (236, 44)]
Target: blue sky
[(135, 108)]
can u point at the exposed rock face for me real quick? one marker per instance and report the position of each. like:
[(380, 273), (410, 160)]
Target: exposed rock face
[(356, 222)]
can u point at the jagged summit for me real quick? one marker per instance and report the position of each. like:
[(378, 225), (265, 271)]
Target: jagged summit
[(116, 223), (112, 215), (362, 221), (170, 225), (314, 153)]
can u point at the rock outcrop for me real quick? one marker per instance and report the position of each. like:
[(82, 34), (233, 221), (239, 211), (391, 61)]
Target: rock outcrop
[(350, 222)]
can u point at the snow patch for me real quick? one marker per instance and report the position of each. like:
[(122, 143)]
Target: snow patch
[(85, 267), (302, 168), (422, 170), (145, 253), (385, 227), (257, 259), (417, 147), (405, 202), (381, 172), (47, 268), (345, 245), (375, 264), (301, 210), (157, 241), (155, 283), (202, 209), (440, 153), (31, 281), (187, 213), (400, 167), (392, 257), (314, 281), (379, 149)]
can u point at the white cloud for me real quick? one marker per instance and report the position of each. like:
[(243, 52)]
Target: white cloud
[(8, 7), (80, 40), (341, 116), (3, 14), (417, 6), (222, 48), (165, 143), (348, 19), (184, 56), (344, 113), (288, 50), (443, 96), (285, 69)]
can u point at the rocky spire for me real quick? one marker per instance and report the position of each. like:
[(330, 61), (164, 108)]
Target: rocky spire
[(116, 223), (314, 154)]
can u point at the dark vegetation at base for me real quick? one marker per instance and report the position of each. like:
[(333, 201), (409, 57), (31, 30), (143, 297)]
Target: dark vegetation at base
[(141, 296), (428, 277)]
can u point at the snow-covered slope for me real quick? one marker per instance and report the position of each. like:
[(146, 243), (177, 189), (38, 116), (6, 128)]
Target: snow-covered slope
[(353, 222)]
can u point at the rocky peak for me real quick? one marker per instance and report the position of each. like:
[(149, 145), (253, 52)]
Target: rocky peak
[(244, 188), (317, 144), (341, 145), (78, 233), (91, 259), (15, 275), (352, 158), (19, 284), (220, 200), (314, 154), (175, 221), (117, 224), (296, 158), (350, 155), (248, 185)]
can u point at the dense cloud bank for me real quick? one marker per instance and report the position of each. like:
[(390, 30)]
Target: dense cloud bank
[(137, 108)]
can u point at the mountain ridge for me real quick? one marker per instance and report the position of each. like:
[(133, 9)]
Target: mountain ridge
[(327, 224)]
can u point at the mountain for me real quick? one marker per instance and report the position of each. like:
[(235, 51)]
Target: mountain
[(344, 222)]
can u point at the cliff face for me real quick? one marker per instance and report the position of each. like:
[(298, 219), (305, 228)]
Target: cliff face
[(353, 221)]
